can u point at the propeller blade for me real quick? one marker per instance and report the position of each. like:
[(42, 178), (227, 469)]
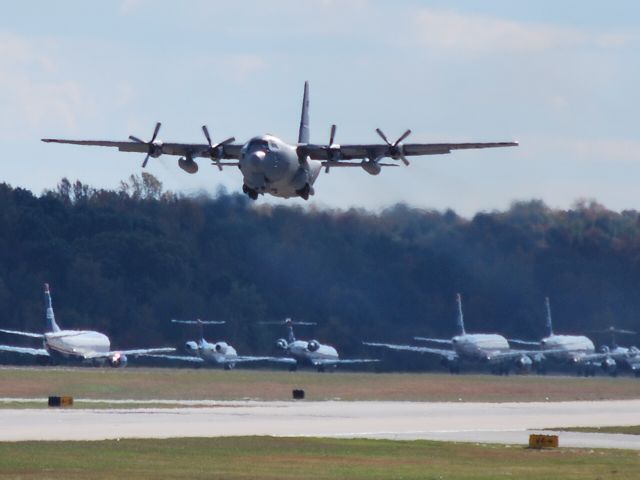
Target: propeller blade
[(404, 135), (155, 132), (383, 136), (226, 142), (205, 130), (404, 160), (135, 139), (332, 135), (146, 159)]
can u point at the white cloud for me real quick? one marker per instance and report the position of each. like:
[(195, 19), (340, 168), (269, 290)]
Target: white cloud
[(477, 33), (32, 91)]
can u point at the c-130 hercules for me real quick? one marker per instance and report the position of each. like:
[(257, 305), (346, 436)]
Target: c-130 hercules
[(271, 166)]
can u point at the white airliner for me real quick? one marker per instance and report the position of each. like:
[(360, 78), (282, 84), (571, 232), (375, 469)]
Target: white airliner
[(218, 353), (311, 352), (74, 345), (577, 350), (488, 348), (271, 166)]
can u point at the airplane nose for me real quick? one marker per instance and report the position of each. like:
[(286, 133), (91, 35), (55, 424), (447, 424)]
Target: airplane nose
[(255, 158)]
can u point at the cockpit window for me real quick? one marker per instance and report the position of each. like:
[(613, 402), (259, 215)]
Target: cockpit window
[(258, 144)]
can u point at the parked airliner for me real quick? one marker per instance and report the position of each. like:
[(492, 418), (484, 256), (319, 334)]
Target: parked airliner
[(218, 353), (74, 345), (311, 352), (488, 348)]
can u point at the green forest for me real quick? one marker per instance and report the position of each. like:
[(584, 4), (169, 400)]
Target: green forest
[(126, 261)]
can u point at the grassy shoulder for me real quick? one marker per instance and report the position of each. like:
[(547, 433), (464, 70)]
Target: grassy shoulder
[(300, 458), (629, 430), (209, 384)]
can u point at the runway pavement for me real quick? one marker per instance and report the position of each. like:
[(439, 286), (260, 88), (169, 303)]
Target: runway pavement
[(464, 422)]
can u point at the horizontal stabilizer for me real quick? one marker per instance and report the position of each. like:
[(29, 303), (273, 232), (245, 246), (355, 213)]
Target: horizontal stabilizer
[(28, 351), (198, 322), (434, 340)]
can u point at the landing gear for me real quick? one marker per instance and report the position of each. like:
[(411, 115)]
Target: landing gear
[(293, 367), (229, 366), (321, 368), (253, 194), (304, 191)]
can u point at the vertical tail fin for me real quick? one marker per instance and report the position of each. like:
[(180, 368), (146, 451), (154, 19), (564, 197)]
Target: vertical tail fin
[(291, 337), (460, 319), (549, 322), (303, 133), (200, 331), (51, 325)]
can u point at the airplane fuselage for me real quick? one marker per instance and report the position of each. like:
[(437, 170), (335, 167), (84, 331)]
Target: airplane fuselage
[(76, 343), (306, 352), (479, 346), (219, 353), (272, 166), (567, 347)]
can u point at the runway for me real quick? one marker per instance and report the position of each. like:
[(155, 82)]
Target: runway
[(462, 422)]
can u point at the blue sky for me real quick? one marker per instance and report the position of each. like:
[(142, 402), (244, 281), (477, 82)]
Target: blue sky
[(560, 77)]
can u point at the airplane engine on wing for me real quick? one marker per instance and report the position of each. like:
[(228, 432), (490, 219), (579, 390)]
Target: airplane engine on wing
[(221, 347), (524, 363), (117, 360), (191, 347), (282, 344), (188, 165), (371, 167), (313, 346), (610, 366)]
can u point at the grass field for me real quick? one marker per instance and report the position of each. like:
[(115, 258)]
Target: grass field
[(205, 384), (278, 458)]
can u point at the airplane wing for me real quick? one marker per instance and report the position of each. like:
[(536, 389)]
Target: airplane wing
[(412, 348), (24, 334), (286, 360), (434, 340), (523, 342), (376, 150), (194, 150), (28, 351), (351, 361), (183, 358), (133, 353)]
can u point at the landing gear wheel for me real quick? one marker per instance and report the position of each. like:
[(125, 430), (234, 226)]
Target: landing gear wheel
[(293, 368), (304, 191), (251, 193)]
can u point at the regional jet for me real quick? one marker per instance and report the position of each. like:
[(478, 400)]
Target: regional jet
[(627, 357), (488, 348), (311, 352), (219, 353), (272, 166), (74, 345), (577, 350)]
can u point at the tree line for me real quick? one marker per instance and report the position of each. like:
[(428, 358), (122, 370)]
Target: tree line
[(126, 261)]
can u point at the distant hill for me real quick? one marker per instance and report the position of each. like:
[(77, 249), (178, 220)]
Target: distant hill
[(127, 261)]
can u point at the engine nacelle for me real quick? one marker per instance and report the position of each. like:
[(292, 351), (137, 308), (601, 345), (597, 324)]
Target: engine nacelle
[(282, 344), (118, 360), (313, 346), (371, 167), (609, 364), (188, 165), (605, 349), (524, 363), (191, 347), (221, 347)]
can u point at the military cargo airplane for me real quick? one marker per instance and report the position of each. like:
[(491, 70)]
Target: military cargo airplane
[(488, 348), (577, 350), (311, 352), (271, 166), (218, 353), (74, 345)]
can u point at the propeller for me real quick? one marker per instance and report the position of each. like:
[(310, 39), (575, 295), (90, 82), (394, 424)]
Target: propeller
[(154, 148), (216, 151), (396, 151), (333, 152)]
